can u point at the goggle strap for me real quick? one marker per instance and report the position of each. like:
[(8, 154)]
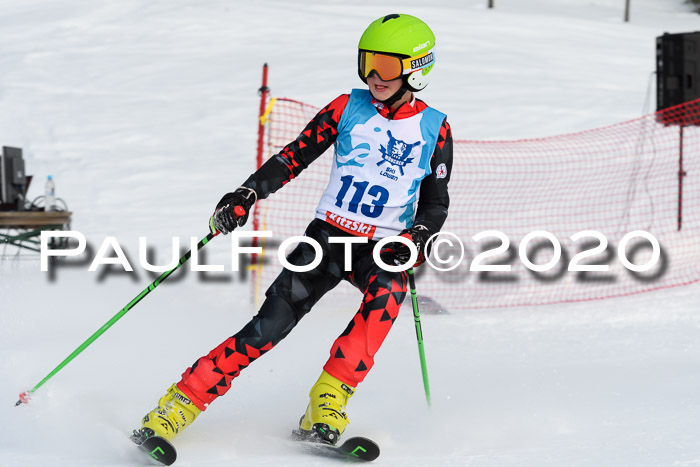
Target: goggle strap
[(418, 63)]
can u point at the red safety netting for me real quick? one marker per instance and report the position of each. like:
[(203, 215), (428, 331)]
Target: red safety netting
[(615, 180)]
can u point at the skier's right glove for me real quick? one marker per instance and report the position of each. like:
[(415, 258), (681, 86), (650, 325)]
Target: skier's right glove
[(419, 235), (228, 212)]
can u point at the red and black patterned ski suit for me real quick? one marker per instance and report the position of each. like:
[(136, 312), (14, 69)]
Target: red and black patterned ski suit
[(293, 294)]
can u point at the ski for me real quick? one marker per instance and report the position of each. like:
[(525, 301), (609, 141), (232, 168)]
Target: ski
[(156, 447), (357, 447)]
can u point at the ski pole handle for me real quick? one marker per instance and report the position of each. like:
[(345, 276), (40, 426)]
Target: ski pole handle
[(238, 211)]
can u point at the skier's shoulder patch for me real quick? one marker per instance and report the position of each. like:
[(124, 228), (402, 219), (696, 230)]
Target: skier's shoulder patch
[(441, 171)]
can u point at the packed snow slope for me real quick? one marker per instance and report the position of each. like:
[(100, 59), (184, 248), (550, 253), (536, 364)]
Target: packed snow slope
[(145, 114)]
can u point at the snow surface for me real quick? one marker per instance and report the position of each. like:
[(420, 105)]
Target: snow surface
[(145, 113)]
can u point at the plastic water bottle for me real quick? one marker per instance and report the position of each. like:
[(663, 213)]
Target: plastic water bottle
[(50, 195)]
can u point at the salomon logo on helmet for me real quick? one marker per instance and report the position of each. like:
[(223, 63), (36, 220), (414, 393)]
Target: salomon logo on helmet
[(422, 61)]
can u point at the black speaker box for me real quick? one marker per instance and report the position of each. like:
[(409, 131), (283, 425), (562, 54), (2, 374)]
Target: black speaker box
[(677, 65), (12, 178)]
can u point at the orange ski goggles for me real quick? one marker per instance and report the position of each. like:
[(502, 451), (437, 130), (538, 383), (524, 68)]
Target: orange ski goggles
[(390, 67)]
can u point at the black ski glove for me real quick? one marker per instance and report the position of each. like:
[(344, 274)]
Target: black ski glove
[(419, 235), (228, 212)]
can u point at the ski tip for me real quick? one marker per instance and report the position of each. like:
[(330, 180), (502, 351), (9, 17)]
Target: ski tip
[(154, 446)]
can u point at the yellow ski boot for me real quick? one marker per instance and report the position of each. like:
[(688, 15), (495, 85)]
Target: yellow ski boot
[(174, 413), (325, 418)]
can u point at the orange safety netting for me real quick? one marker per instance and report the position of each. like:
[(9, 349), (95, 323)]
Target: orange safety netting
[(614, 180)]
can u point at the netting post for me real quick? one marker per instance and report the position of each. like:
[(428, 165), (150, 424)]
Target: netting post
[(681, 173), (263, 91)]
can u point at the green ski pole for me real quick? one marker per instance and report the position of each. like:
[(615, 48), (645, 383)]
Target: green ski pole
[(24, 397), (419, 335)]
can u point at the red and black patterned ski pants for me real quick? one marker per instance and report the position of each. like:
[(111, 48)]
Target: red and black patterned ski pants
[(289, 298)]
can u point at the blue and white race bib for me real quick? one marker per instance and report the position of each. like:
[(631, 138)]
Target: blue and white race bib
[(379, 163)]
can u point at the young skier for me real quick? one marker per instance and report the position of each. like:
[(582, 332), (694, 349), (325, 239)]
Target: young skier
[(393, 158)]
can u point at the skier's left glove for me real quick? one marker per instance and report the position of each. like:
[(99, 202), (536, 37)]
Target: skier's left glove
[(419, 235), (228, 212)]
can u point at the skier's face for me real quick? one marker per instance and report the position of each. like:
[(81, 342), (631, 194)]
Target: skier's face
[(382, 90)]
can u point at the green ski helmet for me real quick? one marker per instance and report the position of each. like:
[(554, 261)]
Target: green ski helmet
[(396, 46)]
